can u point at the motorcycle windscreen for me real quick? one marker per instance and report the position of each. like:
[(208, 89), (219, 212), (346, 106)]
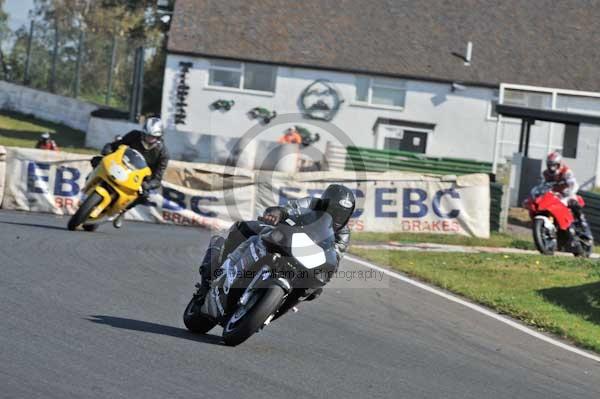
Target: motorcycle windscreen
[(134, 160), (316, 225)]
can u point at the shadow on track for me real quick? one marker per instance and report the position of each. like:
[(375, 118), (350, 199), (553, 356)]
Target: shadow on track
[(43, 226), (154, 328)]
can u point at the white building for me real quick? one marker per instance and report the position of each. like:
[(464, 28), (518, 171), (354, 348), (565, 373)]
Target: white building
[(410, 75)]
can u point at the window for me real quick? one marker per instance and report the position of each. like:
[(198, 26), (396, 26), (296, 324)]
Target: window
[(225, 74), (242, 75), (392, 143), (570, 141), (377, 91), (578, 104), (259, 77), (529, 99)]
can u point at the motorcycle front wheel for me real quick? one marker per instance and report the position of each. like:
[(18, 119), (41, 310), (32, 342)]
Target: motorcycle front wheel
[(249, 318), (544, 242), (84, 211)]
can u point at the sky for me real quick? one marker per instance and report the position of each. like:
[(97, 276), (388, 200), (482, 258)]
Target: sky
[(17, 12)]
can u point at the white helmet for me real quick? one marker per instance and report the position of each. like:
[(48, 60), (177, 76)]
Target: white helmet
[(152, 132), (153, 127)]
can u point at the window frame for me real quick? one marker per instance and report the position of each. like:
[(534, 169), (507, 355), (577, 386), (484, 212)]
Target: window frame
[(526, 99), (372, 83), (491, 117), (242, 71)]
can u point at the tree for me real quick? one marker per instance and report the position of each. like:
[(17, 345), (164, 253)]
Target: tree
[(129, 23), (4, 33)]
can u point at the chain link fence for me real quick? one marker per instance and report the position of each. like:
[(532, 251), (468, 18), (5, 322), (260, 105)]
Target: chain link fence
[(93, 66)]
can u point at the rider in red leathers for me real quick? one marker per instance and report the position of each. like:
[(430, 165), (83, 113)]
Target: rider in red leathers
[(565, 185)]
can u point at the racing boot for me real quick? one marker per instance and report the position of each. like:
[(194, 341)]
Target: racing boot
[(314, 295), (575, 243), (210, 263), (141, 200), (295, 298), (583, 228), (118, 221)]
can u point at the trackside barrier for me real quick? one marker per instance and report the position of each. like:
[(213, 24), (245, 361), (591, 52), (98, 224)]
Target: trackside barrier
[(373, 160), (592, 211), (369, 159), (499, 205), (215, 196), (2, 171)]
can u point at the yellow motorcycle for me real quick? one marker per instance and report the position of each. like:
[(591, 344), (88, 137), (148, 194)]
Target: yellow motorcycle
[(114, 184)]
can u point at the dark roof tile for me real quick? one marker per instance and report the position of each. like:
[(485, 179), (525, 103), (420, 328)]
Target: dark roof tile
[(552, 43)]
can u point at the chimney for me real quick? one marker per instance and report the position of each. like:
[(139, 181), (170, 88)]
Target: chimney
[(469, 53)]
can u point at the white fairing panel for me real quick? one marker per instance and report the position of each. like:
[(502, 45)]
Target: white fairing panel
[(306, 251), (118, 172), (547, 222)]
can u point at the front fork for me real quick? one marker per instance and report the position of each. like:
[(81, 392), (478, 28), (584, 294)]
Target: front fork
[(218, 304)]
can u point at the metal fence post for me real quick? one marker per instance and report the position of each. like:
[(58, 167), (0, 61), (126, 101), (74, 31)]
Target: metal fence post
[(28, 59), (140, 94), (137, 89), (78, 65), (52, 84), (111, 69), (134, 88)]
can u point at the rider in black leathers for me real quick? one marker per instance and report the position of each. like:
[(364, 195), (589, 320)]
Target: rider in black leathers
[(337, 200)]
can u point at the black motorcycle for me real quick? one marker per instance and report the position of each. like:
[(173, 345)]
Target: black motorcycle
[(288, 262)]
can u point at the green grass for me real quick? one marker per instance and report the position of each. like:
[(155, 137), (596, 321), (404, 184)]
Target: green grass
[(560, 295), (495, 240), (19, 130)]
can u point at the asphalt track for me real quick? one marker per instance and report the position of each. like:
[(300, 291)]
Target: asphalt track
[(98, 315)]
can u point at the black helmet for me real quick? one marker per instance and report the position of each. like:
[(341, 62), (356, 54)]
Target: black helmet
[(338, 200)]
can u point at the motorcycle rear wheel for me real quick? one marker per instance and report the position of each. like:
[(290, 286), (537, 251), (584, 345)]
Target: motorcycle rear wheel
[(239, 329), (194, 320), (83, 213), (542, 243)]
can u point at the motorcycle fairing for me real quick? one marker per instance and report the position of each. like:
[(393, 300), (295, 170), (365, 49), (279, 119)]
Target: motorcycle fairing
[(559, 211), (118, 186)]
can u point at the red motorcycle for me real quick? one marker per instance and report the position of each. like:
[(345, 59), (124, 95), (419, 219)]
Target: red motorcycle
[(552, 220)]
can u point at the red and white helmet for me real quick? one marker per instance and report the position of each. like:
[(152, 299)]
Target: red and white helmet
[(553, 161)]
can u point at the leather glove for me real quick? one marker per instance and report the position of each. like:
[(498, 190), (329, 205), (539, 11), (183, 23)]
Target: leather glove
[(145, 187), (273, 215)]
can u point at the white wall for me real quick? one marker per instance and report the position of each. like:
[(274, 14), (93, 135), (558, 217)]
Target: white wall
[(460, 117), (586, 165), (101, 131), (463, 126), (51, 107), (257, 154)]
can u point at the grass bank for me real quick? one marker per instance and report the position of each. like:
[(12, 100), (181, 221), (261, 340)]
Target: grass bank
[(560, 295), (496, 239), (19, 130)]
